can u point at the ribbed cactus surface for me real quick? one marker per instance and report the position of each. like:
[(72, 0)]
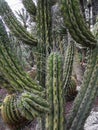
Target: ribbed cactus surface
[(68, 64), (55, 94), (55, 74), (71, 90), (19, 81), (14, 25), (84, 100), (79, 31), (75, 23), (16, 110)]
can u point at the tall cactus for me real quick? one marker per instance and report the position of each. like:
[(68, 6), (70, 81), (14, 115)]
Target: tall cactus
[(55, 94)]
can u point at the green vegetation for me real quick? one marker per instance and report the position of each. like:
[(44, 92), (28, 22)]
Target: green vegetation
[(46, 96)]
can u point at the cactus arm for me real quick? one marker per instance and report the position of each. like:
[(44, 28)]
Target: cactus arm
[(80, 20), (49, 91), (61, 97), (68, 64), (76, 32), (74, 24), (55, 93), (11, 60), (88, 88), (22, 82), (67, 21), (30, 6), (41, 56), (55, 119), (14, 25)]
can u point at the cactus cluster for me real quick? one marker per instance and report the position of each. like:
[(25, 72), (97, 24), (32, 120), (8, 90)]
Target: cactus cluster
[(29, 98), (78, 30), (16, 80)]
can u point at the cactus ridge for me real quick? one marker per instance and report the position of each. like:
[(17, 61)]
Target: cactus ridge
[(68, 64), (75, 30), (12, 64), (15, 76), (55, 92), (4, 82), (80, 21), (17, 109), (15, 25), (81, 103)]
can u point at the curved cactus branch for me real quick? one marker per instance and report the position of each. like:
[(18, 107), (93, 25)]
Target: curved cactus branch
[(10, 67), (14, 25), (16, 111), (75, 23)]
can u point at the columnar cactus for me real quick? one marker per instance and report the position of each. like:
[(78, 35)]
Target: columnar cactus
[(83, 103), (55, 93)]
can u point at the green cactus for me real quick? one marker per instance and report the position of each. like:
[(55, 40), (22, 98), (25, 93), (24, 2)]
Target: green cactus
[(55, 94), (55, 81), (71, 90), (19, 109), (83, 103), (75, 23), (14, 25), (68, 64), (84, 100), (19, 81)]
